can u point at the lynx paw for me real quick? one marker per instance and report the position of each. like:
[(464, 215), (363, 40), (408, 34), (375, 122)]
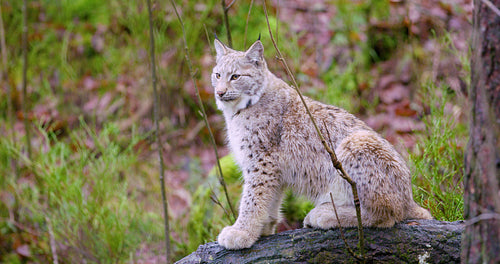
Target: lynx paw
[(233, 238), (320, 217)]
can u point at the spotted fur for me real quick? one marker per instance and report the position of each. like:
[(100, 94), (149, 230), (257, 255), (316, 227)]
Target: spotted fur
[(276, 146)]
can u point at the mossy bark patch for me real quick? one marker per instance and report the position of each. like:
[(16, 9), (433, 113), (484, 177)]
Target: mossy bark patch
[(431, 241)]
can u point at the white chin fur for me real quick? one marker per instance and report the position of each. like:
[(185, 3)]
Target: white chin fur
[(231, 107)]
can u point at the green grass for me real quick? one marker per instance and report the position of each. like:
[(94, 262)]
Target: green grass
[(438, 162), (438, 159), (85, 193)]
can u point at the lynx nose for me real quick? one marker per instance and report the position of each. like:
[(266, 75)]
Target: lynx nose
[(221, 93)]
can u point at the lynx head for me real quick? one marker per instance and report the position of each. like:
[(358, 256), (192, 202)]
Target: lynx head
[(238, 78)]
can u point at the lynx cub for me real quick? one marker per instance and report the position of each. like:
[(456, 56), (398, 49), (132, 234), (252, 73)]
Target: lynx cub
[(276, 146)]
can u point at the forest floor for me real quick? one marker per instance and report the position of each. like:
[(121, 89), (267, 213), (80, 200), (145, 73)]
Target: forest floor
[(400, 66)]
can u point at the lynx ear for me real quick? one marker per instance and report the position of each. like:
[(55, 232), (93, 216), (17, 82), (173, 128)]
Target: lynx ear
[(255, 53), (220, 48)]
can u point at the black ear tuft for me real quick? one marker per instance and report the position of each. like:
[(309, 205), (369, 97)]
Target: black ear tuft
[(259, 37), (215, 35)]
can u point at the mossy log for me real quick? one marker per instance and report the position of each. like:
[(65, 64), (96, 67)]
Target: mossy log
[(416, 241)]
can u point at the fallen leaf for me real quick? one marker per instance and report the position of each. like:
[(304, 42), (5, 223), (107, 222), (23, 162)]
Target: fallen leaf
[(405, 110), (24, 250), (394, 93)]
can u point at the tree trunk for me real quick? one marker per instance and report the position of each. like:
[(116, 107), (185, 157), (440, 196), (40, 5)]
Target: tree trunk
[(419, 241), (481, 243)]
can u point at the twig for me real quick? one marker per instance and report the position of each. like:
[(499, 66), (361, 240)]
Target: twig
[(52, 240), (277, 21), (216, 200), (158, 138), (491, 6), (4, 74), (203, 112), (482, 217), (24, 84), (208, 38), (225, 9), (230, 4), (4, 71), (2, 43), (333, 157), (246, 24), (342, 230), (24, 228)]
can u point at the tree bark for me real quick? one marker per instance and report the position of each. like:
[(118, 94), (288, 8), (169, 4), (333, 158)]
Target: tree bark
[(481, 242), (430, 241)]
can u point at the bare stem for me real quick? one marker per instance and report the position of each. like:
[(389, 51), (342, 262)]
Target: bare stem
[(203, 112), (277, 22), (230, 4), (4, 71), (208, 37), (4, 74), (216, 200), (342, 230), (2, 43), (330, 151), (24, 84), (157, 136), (246, 24), (52, 240), (225, 9), (491, 6)]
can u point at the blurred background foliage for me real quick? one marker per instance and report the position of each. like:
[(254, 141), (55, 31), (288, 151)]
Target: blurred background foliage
[(90, 192)]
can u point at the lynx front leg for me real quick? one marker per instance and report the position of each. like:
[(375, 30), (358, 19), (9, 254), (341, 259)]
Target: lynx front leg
[(259, 196), (274, 215)]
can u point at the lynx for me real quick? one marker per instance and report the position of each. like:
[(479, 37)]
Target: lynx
[(277, 147)]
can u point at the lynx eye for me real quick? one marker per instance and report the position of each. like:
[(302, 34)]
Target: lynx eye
[(217, 75), (235, 77)]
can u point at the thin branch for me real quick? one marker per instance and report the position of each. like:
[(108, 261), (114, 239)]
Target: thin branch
[(342, 231), (4, 77), (277, 21), (482, 217), (246, 24), (4, 71), (52, 241), (21, 226), (158, 138), (332, 154), (203, 112), (491, 6), (24, 84), (216, 200), (208, 38), (230, 5), (2, 43), (225, 9)]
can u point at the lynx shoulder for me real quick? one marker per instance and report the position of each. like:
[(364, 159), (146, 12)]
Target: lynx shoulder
[(277, 147)]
